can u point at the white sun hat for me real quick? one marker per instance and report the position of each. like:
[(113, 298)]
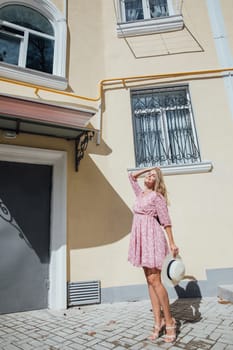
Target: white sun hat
[(173, 270)]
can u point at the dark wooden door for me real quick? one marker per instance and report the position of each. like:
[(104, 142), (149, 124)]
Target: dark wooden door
[(25, 192)]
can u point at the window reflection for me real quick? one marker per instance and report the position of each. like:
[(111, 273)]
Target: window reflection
[(40, 54), (9, 49), (26, 38), (26, 17)]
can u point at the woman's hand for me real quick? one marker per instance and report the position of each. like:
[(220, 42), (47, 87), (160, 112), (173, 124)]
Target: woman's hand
[(141, 172), (174, 249)]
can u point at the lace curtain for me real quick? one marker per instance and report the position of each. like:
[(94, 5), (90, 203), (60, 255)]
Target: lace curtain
[(158, 8), (133, 10)]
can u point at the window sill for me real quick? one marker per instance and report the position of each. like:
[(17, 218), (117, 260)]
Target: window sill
[(203, 167), (32, 77), (152, 26)]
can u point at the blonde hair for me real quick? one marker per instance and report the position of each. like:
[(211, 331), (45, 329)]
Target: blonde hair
[(160, 186)]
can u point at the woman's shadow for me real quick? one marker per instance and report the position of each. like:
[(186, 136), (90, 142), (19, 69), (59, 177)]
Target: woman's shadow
[(186, 309)]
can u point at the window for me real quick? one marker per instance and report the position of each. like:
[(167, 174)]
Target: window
[(32, 41), (134, 10), (164, 131), (137, 17), (26, 38)]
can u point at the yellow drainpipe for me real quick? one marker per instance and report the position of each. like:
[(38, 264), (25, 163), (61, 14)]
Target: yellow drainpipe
[(113, 81), (123, 80)]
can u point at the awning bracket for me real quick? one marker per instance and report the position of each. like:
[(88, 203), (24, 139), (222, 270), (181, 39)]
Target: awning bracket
[(81, 143)]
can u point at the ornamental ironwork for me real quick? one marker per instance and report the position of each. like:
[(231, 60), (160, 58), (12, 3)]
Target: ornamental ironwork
[(6, 215), (164, 130), (81, 143)]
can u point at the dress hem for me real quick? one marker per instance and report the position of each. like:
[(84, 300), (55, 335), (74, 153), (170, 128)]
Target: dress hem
[(150, 267)]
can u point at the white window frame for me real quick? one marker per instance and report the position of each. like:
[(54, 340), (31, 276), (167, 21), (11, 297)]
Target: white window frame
[(24, 38), (57, 80), (148, 25)]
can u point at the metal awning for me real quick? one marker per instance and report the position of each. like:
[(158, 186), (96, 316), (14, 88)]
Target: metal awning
[(30, 116)]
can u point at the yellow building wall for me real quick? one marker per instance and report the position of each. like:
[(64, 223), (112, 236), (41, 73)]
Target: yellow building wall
[(200, 203), (99, 196)]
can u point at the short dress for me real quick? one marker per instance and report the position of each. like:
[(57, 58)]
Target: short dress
[(148, 244)]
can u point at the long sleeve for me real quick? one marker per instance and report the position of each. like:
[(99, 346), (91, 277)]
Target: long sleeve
[(136, 188), (162, 211)]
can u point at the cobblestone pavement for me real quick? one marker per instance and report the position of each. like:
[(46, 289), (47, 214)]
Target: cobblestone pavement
[(201, 324)]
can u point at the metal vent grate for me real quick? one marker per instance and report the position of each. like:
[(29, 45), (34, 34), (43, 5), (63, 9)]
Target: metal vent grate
[(83, 293)]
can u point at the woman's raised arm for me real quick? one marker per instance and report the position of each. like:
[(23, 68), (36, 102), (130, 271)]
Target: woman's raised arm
[(138, 173)]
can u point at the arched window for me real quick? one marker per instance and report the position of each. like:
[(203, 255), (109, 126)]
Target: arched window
[(26, 38), (33, 37)]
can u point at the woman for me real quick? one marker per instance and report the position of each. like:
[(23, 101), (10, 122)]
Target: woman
[(148, 244)]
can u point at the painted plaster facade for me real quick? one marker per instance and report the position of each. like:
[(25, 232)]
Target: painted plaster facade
[(98, 196)]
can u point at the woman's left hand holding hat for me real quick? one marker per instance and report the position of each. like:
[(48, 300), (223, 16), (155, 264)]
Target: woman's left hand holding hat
[(174, 249)]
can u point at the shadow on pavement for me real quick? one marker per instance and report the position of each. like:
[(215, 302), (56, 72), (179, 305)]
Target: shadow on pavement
[(186, 309)]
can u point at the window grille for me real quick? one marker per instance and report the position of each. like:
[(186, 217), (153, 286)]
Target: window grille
[(164, 130)]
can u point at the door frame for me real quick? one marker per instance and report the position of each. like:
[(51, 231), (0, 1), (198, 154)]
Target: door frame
[(57, 293)]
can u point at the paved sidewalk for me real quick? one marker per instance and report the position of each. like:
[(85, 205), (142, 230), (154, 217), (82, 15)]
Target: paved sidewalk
[(202, 324)]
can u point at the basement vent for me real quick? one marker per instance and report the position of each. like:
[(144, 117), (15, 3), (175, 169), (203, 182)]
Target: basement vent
[(83, 293)]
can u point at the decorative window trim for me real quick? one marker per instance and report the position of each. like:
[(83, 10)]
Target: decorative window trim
[(33, 77), (56, 80), (150, 26), (197, 168)]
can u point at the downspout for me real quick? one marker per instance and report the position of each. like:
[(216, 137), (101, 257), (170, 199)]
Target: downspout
[(99, 124), (221, 40), (65, 9), (100, 115), (65, 29)]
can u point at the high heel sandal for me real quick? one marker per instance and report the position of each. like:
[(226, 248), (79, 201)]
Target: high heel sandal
[(170, 338), (158, 330)]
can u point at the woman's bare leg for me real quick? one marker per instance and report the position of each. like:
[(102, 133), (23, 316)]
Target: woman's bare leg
[(156, 306), (153, 277)]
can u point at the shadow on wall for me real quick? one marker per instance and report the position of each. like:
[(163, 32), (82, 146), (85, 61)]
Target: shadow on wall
[(102, 149), (101, 215)]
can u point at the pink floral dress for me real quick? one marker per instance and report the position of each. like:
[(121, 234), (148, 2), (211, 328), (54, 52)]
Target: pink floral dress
[(148, 245)]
